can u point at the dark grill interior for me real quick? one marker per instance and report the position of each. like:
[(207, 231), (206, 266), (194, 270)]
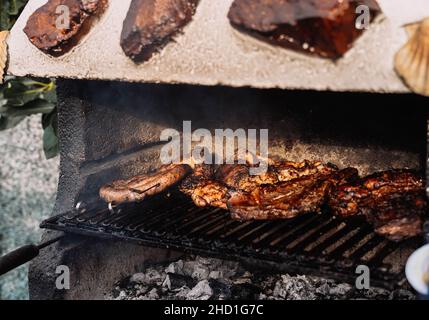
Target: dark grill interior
[(316, 243)]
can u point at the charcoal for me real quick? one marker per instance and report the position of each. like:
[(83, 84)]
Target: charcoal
[(150, 277), (221, 289), (175, 281), (230, 280), (216, 274), (246, 291), (202, 291), (175, 267), (200, 272)]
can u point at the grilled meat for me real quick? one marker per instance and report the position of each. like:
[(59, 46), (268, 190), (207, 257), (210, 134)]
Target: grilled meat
[(140, 187), (42, 26), (288, 170), (238, 177), (151, 23), (287, 199), (352, 199), (286, 190), (393, 201), (210, 193), (398, 216), (200, 175), (203, 189), (325, 27)]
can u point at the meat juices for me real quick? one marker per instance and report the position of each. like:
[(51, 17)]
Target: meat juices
[(393, 201), (140, 187), (42, 30), (150, 24), (325, 28)]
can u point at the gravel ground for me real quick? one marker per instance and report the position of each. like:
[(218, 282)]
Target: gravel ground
[(28, 183)]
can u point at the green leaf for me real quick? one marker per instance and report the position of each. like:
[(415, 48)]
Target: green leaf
[(33, 107), (9, 12), (9, 122), (50, 134)]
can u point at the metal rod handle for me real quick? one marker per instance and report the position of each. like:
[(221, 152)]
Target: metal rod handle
[(22, 255)]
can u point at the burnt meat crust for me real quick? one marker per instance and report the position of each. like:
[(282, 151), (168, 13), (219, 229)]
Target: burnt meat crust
[(288, 199), (393, 201), (150, 24), (326, 28), (41, 28)]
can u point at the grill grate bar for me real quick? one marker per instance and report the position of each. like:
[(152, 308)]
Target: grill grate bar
[(313, 223), (313, 236), (341, 249), (320, 248), (305, 241)]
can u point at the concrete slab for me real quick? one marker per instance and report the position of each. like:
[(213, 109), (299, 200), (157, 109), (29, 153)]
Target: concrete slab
[(211, 52)]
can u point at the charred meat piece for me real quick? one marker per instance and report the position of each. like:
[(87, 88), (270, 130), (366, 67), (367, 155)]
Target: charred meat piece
[(47, 26), (238, 177), (352, 199), (210, 193), (150, 24), (288, 199), (140, 187), (326, 27), (398, 216), (203, 190), (394, 202), (288, 170), (200, 175)]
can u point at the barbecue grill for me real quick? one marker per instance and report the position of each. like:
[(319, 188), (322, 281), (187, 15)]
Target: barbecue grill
[(110, 130)]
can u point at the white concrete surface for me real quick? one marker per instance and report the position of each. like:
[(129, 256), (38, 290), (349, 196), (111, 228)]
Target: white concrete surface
[(210, 52)]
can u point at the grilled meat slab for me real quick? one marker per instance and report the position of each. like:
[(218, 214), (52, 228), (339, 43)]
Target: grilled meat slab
[(325, 27), (210, 194), (140, 187), (288, 170), (398, 216), (203, 189), (285, 200), (150, 24), (238, 177), (393, 201), (42, 30)]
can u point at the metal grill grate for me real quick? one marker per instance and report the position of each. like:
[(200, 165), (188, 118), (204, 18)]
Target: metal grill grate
[(316, 244)]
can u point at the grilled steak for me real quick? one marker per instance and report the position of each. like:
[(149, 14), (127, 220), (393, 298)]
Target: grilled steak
[(398, 216), (287, 199), (326, 27), (138, 188), (288, 170), (200, 175), (210, 193), (393, 201), (151, 23), (238, 177), (42, 26), (203, 189)]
